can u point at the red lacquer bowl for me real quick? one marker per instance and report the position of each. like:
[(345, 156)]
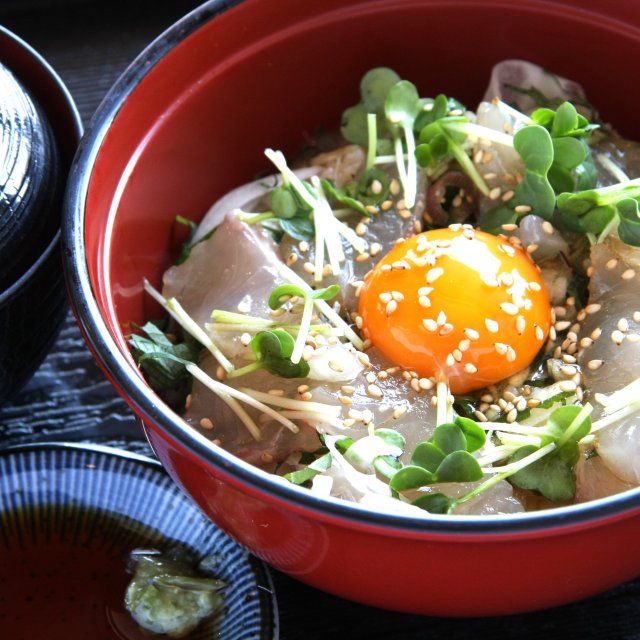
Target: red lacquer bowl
[(188, 121)]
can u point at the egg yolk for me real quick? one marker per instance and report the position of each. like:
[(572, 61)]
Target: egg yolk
[(456, 304)]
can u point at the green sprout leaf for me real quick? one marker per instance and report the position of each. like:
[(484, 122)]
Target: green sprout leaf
[(459, 466), (318, 466), (434, 503), (273, 351), (552, 476), (629, 227)]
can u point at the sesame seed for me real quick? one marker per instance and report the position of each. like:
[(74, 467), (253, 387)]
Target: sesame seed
[(386, 205), (221, 374), (521, 324), (567, 385), (245, 339), (423, 301), (335, 366), (612, 264), (391, 307), (445, 329), (510, 227), (532, 248), (464, 345), (617, 337), (375, 249), (405, 214), (244, 307), (345, 400), (490, 176), (364, 359), (349, 422), (206, 423), (472, 334), (628, 274), (415, 385), (374, 391), (501, 348), (399, 411), (568, 370), (376, 186), (511, 354), (623, 325), (633, 337), (563, 325), (512, 415), (292, 258), (425, 291), (522, 208), (309, 267), (494, 194), (276, 392), (434, 274), (307, 395), (481, 417), (398, 296), (492, 325), (361, 229), (430, 325), (400, 265), (457, 355), (507, 195), (594, 365), (509, 308), (592, 308), (442, 318), (449, 360), (425, 384), (535, 286), (470, 368), (586, 342), (394, 187)]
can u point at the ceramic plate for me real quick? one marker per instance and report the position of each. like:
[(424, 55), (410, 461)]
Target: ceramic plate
[(70, 515)]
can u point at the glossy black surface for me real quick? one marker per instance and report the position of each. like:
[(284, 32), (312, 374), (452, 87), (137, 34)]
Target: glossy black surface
[(39, 120), (90, 42)]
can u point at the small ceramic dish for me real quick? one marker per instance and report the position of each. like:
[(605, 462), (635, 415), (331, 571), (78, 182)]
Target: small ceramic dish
[(69, 517)]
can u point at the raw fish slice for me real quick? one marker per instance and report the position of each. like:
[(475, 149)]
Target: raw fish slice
[(527, 86)]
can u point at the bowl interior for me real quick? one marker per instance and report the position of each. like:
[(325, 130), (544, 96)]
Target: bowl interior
[(191, 119)]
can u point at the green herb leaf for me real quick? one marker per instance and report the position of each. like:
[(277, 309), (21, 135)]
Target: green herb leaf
[(273, 351), (434, 503), (411, 477), (320, 465), (552, 476), (459, 466), (629, 227)]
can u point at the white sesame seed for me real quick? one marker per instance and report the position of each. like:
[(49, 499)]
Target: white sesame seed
[(245, 339), (611, 264), (567, 385), (617, 337), (492, 325), (309, 267), (509, 308), (449, 360), (501, 348), (628, 274), (442, 318), (563, 325), (521, 325), (423, 301), (445, 329), (375, 249), (534, 286), (425, 291), (633, 337), (399, 411), (364, 359), (511, 354), (592, 308), (206, 423), (345, 400), (425, 384), (464, 345), (623, 325), (472, 334), (374, 391), (470, 368), (430, 325), (434, 274), (522, 208)]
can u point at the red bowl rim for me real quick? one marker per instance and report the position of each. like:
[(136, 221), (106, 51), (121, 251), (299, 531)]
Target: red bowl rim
[(153, 412)]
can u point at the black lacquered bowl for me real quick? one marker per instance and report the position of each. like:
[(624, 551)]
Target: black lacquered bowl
[(33, 301)]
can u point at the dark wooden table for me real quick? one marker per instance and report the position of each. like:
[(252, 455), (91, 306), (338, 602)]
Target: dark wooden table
[(89, 43)]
